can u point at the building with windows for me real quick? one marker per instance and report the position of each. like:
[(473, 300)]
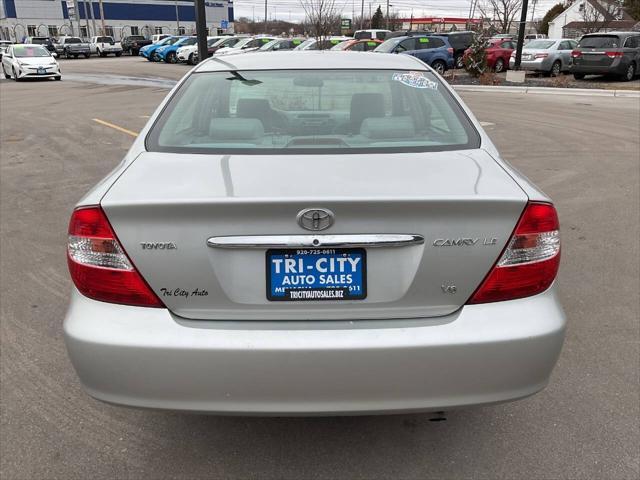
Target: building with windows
[(586, 16), (53, 18)]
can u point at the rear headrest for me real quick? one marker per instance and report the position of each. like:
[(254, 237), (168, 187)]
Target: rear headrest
[(232, 129), (253, 107), (388, 128), (365, 105)]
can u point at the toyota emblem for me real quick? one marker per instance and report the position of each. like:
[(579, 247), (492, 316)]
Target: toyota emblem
[(315, 219)]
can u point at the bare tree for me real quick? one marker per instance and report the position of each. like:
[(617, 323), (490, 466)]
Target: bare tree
[(322, 19), (503, 12), (598, 14)]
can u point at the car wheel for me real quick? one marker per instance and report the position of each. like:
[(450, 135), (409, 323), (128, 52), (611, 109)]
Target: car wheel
[(171, 57), (76, 55), (87, 55), (499, 66), (68, 55), (459, 61), (439, 66), (191, 60), (154, 57), (578, 76), (134, 53), (556, 68), (5, 73), (630, 73), (118, 54), (15, 75)]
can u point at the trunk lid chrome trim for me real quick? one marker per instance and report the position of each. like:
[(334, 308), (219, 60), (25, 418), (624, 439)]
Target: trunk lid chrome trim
[(316, 241)]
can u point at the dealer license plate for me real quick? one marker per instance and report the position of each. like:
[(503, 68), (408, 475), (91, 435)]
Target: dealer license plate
[(316, 274), (41, 71)]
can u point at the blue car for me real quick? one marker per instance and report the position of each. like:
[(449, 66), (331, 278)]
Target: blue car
[(149, 51), (169, 53), (434, 50)]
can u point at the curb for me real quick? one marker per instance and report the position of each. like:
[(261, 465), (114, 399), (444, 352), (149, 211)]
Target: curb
[(549, 91)]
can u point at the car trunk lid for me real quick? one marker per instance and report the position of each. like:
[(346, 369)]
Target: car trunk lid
[(166, 207)]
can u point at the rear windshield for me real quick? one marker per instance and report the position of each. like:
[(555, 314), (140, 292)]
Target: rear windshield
[(136, 37), (604, 41), (104, 40), (294, 111), (541, 44), (72, 40)]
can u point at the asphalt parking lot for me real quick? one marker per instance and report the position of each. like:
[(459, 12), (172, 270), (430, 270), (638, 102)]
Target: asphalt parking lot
[(59, 138)]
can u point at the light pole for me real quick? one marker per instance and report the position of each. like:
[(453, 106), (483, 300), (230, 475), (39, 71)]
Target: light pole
[(177, 19), (523, 21), (265, 16), (104, 30), (201, 29)]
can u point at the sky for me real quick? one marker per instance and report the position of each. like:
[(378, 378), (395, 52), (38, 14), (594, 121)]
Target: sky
[(292, 10)]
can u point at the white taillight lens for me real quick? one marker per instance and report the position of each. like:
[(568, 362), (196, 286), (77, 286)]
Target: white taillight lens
[(98, 252), (532, 247)]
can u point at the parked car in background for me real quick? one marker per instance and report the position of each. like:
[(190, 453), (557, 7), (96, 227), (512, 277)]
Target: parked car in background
[(103, 46), (326, 44), (548, 56), (132, 44), (358, 45), (4, 44), (167, 52), (160, 36), (611, 53), (47, 42), (72, 47), (29, 61), (326, 268), (245, 45), (149, 51), (408, 33), (372, 34), (502, 36), (227, 41), (189, 53), (280, 44), (498, 53), (459, 41), (433, 50), (534, 36)]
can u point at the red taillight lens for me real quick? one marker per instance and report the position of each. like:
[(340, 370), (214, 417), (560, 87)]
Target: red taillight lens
[(530, 262), (450, 50), (541, 55), (576, 53), (613, 54), (99, 266)]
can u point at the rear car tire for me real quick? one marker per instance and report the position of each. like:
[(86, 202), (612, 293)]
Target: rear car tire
[(498, 66), (630, 73), (191, 60), (171, 57), (556, 68), (439, 66), (15, 75), (578, 76), (5, 73)]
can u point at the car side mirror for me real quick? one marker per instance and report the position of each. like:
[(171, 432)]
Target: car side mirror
[(54, 55)]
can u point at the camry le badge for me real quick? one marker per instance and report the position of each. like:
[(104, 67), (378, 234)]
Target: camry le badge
[(315, 219)]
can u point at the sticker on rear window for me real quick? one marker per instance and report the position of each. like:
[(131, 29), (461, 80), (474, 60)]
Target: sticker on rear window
[(414, 80), (372, 44), (297, 42), (423, 40)]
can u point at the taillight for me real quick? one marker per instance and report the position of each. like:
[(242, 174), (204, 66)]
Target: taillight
[(613, 54), (541, 55), (576, 53), (99, 266), (450, 50), (530, 261)]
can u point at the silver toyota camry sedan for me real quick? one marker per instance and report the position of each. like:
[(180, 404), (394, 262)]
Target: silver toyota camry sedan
[(313, 233)]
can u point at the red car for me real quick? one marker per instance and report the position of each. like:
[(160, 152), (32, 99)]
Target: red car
[(366, 45), (498, 53)]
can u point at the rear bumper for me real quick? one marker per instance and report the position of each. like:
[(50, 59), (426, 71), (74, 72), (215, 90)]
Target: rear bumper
[(145, 357), (616, 68)]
